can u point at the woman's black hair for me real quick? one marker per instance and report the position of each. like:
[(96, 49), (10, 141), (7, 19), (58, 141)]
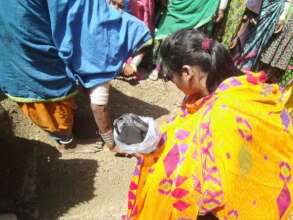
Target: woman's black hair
[(185, 47)]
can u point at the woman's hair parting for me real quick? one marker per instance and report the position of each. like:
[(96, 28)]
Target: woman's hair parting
[(192, 47)]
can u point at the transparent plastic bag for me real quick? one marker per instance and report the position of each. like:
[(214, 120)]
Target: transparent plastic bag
[(148, 145)]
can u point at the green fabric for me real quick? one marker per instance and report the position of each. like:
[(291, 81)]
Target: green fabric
[(186, 14), (232, 22), (288, 74)]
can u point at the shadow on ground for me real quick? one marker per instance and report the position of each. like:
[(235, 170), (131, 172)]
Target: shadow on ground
[(119, 103), (2, 96), (29, 168), (64, 184)]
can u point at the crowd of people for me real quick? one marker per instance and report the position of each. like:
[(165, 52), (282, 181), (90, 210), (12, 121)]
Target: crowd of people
[(258, 33), (228, 151)]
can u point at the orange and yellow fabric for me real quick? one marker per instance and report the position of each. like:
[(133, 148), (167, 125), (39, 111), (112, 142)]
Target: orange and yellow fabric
[(288, 97), (54, 117), (230, 153)]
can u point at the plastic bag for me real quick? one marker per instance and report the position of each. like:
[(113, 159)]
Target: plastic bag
[(151, 138), (131, 129)]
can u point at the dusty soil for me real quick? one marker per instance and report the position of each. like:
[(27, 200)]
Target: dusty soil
[(37, 179)]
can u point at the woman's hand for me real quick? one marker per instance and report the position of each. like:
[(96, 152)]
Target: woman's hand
[(122, 153), (233, 43), (280, 26), (220, 15), (128, 70)]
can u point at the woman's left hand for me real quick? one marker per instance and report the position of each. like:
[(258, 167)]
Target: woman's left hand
[(128, 70), (280, 26), (121, 153), (220, 15), (233, 43)]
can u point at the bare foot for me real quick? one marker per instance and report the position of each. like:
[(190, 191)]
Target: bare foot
[(81, 146)]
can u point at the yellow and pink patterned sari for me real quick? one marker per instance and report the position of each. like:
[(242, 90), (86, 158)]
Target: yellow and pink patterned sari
[(230, 153)]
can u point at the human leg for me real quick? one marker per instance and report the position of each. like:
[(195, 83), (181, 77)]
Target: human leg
[(99, 96)]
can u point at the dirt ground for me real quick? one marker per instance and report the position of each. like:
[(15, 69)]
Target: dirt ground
[(35, 178)]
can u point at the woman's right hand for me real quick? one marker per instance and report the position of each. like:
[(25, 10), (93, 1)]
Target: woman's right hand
[(220, 15), (233, 43), (128, 70), (279, 26), (121, 153)]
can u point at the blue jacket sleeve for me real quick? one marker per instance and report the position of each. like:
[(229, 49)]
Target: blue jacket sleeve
[(94, 39)]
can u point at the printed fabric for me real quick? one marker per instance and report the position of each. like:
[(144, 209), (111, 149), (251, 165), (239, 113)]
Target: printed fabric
[(220, 154)]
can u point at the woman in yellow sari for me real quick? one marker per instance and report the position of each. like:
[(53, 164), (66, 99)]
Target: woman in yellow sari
[(228, 151)]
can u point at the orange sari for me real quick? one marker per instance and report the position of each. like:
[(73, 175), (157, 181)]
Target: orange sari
[(56, 118)]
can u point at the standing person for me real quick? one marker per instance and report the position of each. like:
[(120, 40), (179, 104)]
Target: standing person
[(228, 29), (260, 21), (49, 46), (130, 67), (144, 11), (185, 14), (220, 153), (276, 58)]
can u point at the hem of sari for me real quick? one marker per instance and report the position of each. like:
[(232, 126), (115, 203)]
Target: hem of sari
[(200, 24), (29, 100), (161, 37)]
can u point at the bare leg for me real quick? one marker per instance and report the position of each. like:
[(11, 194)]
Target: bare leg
[(102, 118), (99, 104), (99, 96)]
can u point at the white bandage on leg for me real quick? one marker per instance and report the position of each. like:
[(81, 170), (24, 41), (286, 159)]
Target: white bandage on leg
[(99, 95)]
